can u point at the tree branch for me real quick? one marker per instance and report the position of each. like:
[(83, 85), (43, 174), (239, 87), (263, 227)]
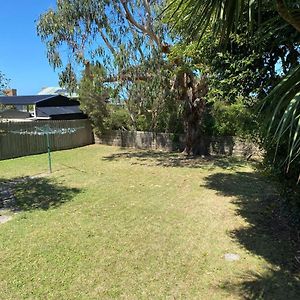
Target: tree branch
[(106, 41), (139, 47), (148, 13), (125, 77), (146, 30)]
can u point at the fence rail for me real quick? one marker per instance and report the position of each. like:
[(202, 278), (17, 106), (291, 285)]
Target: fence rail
[(15, 145)]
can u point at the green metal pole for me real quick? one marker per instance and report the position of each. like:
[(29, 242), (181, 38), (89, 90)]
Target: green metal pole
[(49, 153)]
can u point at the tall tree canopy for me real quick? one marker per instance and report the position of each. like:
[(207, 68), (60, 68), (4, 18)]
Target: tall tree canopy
[(118, 34), (127, 39)]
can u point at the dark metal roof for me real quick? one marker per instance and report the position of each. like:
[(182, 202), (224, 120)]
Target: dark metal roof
[(42, 100), (56, 110), (24, 100)]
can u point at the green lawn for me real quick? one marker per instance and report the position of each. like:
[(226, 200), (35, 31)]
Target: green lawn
[(127, 224)]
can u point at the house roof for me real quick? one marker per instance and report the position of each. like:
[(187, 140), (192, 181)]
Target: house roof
[(57, 110), (39, 100), (24, 100)]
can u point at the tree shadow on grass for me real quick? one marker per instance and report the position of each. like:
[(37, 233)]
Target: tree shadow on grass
[(30, 193), (176, 160), (268, 235)]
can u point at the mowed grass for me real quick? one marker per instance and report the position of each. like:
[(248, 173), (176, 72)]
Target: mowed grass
[(111, 223)]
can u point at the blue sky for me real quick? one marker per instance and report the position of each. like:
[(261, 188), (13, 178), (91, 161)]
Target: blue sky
[(22, 55)]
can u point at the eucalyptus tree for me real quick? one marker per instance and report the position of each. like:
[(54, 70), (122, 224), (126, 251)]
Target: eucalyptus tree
[(117, 35), (131, 43), (104, 31)]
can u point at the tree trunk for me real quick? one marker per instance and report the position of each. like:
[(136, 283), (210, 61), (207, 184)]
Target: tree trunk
[(193, 117), (193, 93)]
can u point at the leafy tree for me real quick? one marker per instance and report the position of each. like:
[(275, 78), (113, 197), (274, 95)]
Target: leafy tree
[(124, 37), (225, 18), (94, 96), (108, 32)]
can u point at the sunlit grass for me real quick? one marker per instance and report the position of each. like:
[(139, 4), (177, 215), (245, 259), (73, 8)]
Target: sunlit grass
[(123, 224)]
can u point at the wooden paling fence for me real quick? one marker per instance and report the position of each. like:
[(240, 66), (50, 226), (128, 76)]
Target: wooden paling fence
[(14, 145)]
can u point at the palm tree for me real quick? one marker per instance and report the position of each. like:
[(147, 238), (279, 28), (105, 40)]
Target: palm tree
[(224, 16)]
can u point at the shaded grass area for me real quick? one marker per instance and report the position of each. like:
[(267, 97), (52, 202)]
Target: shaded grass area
[(116, 224), (173, 159), (266, 236), (29, 193)]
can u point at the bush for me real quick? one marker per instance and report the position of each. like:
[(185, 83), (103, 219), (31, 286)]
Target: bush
[(119, 119), (232, 119)]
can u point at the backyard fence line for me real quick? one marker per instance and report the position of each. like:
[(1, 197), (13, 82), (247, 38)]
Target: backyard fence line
[(14, 145), (224, 145)]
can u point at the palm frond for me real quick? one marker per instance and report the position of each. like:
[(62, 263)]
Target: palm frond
[(283, 106), (196, 15)]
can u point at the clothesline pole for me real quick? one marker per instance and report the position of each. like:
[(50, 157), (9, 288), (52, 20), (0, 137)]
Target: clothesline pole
[(47, 130), (49, 153)]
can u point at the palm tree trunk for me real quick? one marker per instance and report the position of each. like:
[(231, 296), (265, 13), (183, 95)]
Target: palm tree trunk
[(193, 94)]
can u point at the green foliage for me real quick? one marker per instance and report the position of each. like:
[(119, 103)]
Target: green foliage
[(241, 73), (118, 119), (232, 119), (234, 77), (128, 48), (283, 131), (151, 103), (171, 117), (142, 123), (110, 32), (68, 78), (192, 18), (258, 48), (93, 97)]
